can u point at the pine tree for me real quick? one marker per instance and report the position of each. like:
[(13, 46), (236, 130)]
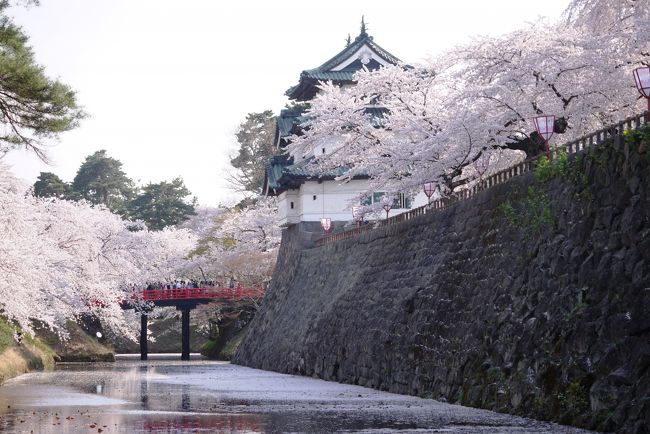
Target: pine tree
[(50, 185), (33, 107), (256, 137), (100, 180), (162, 204)]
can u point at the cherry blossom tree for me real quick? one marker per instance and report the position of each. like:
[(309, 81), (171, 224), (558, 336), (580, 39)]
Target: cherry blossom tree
[(60, 259), (242, 245), (481, 98)]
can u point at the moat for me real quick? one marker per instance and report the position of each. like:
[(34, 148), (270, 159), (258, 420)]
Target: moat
[(166, 395)]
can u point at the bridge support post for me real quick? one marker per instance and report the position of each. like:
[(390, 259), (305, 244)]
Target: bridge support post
[(143, 337), (185, 326)]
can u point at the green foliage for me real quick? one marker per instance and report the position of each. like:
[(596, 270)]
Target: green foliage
[(162, 204), (6, 335), (573, 400), (572, 170), (210, 349), (532, 213), (639, 139), (81, 345), (215, 350), (7, 331), (50, 185), (100, 180), (32, 106), (549, 169), (509, 212), (256, 137)]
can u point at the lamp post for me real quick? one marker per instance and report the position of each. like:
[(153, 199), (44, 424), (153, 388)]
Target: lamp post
[(642, 80), (386, 203), (357, 214), (326, 224), (544, 126), (429, 189)]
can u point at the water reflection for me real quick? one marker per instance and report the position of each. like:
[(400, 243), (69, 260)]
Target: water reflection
[(170, 396), (144, 389), (185, 398)]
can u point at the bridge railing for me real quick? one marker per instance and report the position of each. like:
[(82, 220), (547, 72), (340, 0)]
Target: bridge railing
[(585, 142), (201, 293)]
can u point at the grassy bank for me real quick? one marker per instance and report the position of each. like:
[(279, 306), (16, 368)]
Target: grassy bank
[(81, 346), (17, 359), (46, 348), (232, 328)]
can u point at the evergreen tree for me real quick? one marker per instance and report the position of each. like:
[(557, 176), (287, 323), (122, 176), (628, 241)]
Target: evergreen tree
[(256, 137), (162, 204), (32, 106), (100, 180), (50, 185)]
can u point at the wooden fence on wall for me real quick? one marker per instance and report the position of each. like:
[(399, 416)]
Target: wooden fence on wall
[(613, 132)]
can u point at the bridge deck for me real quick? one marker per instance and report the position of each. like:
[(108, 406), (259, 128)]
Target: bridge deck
[(190, 297)]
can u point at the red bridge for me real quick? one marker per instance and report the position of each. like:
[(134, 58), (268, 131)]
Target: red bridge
[(184, 299), (200, 294)]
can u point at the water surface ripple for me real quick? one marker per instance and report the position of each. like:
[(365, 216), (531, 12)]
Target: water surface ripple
[(169, 396)]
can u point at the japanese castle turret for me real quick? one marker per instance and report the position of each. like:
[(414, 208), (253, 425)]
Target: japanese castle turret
[(304, 195)]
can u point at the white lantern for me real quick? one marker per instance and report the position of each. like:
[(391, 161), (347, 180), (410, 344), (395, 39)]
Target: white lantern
[(429, 189), (642, 79), (357, 213), (544, 126), (326, 224)]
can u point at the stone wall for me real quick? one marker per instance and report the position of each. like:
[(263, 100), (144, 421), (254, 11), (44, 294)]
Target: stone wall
[(531, 297)]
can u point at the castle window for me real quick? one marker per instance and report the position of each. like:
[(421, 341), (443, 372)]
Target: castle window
[(291, 205), (401, 201)]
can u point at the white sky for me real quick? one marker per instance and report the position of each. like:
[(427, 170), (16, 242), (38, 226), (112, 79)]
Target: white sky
[(167, 82)]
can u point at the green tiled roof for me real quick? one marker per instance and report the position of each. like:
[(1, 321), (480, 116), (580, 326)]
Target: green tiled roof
[(282, 174), (288, 120), (306, 88)]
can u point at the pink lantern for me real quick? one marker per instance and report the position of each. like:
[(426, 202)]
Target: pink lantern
[(642, 80), (326, 224), (429, 189), (544, 126), (386, 203)]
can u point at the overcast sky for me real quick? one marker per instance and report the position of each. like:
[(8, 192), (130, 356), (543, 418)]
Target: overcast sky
[(167, 82)]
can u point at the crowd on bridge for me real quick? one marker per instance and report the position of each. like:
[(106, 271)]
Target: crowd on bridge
[(182, 284)]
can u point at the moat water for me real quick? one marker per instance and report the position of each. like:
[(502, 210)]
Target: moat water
[(164, 395)]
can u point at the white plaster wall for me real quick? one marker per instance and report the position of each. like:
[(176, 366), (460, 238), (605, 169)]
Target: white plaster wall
[(328, 144), (336, 195), (287, 215), (339, 199), (420, 199)]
